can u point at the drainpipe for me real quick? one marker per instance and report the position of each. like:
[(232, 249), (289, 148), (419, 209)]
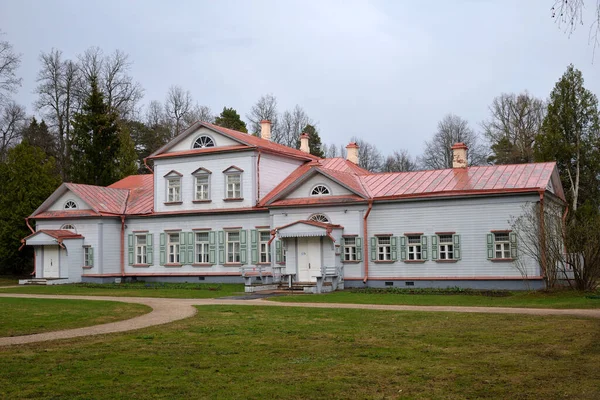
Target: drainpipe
[(29, 226), (366, 241), (146, 165), (123, 244), (258, 178)]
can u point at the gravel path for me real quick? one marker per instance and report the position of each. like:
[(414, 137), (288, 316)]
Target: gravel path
[(169, 310)]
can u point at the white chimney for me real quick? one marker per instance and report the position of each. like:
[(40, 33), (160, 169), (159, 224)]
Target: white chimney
[(304, 143), (265, 129), (352, 152), (459, 155)]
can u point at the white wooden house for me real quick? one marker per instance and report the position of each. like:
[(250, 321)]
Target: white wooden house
[(221, 204)]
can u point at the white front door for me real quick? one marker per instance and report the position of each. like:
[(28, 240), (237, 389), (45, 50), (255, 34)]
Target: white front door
[(309, 258), (51, 262)]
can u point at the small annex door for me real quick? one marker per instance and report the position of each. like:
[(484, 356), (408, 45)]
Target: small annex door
[(309, 258), (51, 265)]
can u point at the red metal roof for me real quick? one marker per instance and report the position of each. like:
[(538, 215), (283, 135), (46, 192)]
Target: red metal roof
[(141, 193), (67, 214), (57, 234), (102, 199), (317, 200)]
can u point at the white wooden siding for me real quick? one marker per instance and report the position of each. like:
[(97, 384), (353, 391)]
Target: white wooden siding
[(186, 144), (59, 205), (273, 170), (305, 188)]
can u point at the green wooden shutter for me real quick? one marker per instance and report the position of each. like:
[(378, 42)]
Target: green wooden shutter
[(456, 241), (394, 248), (182, 242), (403, 248), (212, 247), (423, 247), (359, 249), (221, 237), (490, 246), (434, 247), (163, 250), (254, 246), (278, 252), (149, 249), (243, 246), (190, 247), (130, 248), (373, 249), (91, 256), (513, 245)]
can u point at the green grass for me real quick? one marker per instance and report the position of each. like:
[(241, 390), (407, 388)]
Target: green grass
[(540, 299), (9, 280), (228, 352), (172, 290), (19, 316)]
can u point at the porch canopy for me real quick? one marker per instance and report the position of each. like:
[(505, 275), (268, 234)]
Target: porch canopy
[(49, 237), (305, 228)]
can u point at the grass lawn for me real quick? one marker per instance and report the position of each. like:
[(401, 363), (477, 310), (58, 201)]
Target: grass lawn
[(227, 352), (173, 290), (561, 299), (9, 280), (27, 316)]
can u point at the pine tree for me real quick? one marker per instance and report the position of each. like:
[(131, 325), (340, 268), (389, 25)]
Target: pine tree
[(96, 142), (571, 138), (229, 118), (37, 134), (314, 141)]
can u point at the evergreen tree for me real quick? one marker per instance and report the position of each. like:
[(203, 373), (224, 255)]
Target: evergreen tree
[(314, 141), (28, 177), (96, 142), (37, 134), (229, 118), (571, 138)]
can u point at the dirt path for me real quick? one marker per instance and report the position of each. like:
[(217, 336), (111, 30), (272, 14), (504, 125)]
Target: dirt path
[(168, 310)]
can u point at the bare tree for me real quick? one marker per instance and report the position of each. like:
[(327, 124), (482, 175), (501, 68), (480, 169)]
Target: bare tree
[(9, 62), (290, 127), (369, 157), (452, 129), (12, 118), (330, 151), (512, 127), (583, 244), (199, 113), (399, 161), (569, 14), (177, 107), (264, 108), (58, 101)]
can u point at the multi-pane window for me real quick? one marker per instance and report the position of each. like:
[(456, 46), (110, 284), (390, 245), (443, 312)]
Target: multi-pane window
[(233, 247), (173, 248), (70, 204), (384, 248), (446, 247), (414, 247), (140, 249), (319, 190), (349, 249), (203, 142), (264, 247), (203, 187), (502, 245), (173, 189), (202, 248), (234, 186), (87, 256)]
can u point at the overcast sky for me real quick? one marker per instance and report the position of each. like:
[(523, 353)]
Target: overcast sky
[(386, 71)]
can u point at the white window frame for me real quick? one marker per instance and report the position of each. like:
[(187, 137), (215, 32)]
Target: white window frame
[(502, 247), (233, 247), (414, 250), (212, 140), (320, 217), (264, 248), (320, 190), (86, 256), (201, 248), (141, 249), (350, 248), (173, 189), (236, 192), (446, 248), (73, 203), (384, 248), (173, 248), (69, 227), (203, 194)]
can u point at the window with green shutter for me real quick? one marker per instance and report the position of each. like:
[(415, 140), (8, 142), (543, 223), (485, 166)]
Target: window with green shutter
[(162, 249), (254, 246), (130, 249), (149, 249)]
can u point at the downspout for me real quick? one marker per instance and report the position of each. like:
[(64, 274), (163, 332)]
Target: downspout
[(146, 165), (258, 178), (123, 243), (29, 226), (366, 241)]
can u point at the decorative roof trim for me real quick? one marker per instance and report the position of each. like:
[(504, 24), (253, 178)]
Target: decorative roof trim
[(201, 171), (232, 169), (172, 173)]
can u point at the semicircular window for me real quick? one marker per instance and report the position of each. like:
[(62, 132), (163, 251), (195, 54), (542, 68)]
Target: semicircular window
[(70, 204), (68, 227), (203, 141), (319, 218), (320, 190)]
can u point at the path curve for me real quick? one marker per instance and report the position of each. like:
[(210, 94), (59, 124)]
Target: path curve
[(169, 310)]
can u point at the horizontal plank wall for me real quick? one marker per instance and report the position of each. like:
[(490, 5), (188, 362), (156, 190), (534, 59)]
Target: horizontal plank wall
[(273, 170), (187, 143), (305, 188), (59, 204)]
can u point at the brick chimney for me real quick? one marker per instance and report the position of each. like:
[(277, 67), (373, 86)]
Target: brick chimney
[(352, 152), (265, 129), (304, 143), (459, 155)]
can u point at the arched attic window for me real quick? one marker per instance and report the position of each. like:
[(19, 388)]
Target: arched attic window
[(69, 227), (202, 142), (320, 190), (70, 205), (319, 218)]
